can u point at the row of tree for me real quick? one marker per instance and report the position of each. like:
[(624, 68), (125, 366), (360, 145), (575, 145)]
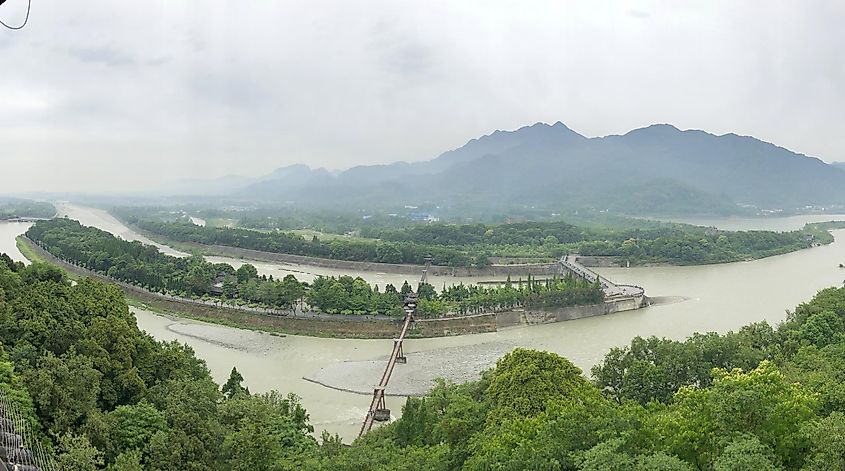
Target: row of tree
[(347, 295), (475, 244)]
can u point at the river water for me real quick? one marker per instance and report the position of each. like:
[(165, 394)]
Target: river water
[(102, 219), (712, 298)]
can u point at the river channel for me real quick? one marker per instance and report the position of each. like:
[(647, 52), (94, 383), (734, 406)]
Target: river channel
[(710, 298)]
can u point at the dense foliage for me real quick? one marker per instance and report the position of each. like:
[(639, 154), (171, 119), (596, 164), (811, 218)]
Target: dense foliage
[(111, 397), (476, 244), (108, 395), (16, 208), (761, 398), (145, 266)]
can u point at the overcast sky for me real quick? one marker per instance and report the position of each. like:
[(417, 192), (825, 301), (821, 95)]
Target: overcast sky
[(124, 95)]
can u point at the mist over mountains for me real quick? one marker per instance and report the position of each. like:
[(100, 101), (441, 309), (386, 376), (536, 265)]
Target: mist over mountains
[(658, 169)]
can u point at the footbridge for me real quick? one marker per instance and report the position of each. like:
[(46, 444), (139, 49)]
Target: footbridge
[(570, 264), (378, 411)]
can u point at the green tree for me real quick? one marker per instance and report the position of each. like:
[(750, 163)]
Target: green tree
[(827, 439), (233, 385), (76, 452), (744, 454), (246, 272)]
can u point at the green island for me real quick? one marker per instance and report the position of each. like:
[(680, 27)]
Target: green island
[(478, 245), (195, 278), (101, 394)]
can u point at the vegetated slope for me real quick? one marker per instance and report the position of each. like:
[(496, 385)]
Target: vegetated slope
[(657, 169), (761, 398)]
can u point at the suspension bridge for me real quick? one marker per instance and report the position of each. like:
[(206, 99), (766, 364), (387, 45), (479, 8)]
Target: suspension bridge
[(378, 411)]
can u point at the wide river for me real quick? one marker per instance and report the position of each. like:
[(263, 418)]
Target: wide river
[(715, 298)]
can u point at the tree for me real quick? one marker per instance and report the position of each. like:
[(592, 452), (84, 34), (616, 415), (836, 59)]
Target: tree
[(822, 329), (128, 461), (525, 382), (246, 272), (131, 427), (230, 287), (760, 403), (233, 385), (77, 453), (827, 439), (64, 390), (606, 456), (426, 291), (744, 454)]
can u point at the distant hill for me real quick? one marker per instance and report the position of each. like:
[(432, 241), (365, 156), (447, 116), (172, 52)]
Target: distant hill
[(839, 165), (653, 170)]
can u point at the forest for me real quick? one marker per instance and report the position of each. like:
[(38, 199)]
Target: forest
[(11, 208), (146, 267), (107, 396), (762, 398), (478, 244)]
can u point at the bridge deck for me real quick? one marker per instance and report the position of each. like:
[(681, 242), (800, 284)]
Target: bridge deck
[(611, 289), (378, 392)]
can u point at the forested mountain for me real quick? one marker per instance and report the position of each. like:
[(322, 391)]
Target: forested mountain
[(657, 169)]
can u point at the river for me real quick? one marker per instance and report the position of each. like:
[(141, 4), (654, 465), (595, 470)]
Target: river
[(102, 219), (714, 298)]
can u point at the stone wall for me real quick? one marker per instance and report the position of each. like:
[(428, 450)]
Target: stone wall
[(535, 317)]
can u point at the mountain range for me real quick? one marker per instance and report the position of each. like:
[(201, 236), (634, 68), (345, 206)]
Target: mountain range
[(658, 169)]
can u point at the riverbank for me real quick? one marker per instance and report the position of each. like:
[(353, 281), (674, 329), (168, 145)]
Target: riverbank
[(816, 233), (513, 270)]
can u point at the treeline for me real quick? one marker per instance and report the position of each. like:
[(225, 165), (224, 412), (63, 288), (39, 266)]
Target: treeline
[(17, 208), (353, 249), (146, 267), (761, 398), (547, 294), (347, 295), (476, 244), (105, 395)]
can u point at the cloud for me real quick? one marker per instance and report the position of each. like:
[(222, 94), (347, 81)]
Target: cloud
[(639, 14), (168, 89), (103, 55)]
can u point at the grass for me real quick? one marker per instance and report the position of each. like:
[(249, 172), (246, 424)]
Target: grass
[(221, 222), (25, 248)]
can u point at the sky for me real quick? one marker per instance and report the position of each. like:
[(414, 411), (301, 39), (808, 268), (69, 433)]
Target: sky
[(116, 96)]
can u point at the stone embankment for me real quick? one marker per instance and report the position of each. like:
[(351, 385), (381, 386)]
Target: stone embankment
[(325, 325)]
